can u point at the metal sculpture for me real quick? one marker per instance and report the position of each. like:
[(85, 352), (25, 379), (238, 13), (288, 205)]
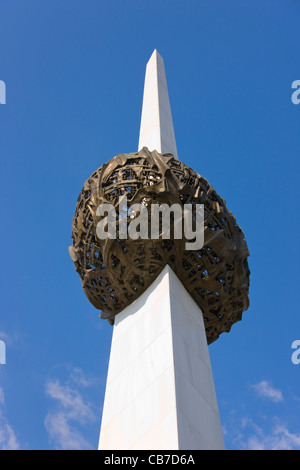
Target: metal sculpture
[(115, 272)]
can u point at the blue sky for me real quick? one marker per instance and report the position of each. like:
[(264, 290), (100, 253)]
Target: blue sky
[(74, 73)]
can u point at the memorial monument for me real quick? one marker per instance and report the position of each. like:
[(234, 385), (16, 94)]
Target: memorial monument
[(167, 303)]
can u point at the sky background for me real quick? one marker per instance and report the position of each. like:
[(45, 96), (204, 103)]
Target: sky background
[(74, 73)]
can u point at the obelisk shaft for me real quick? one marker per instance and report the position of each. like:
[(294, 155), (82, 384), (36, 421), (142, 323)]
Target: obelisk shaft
[(160, 391), (156, 131)]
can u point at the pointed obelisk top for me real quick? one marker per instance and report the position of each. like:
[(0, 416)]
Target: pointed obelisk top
[(156, 131)]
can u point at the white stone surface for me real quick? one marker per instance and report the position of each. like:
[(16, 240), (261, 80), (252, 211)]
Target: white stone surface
[(160, 392), (156, 131)]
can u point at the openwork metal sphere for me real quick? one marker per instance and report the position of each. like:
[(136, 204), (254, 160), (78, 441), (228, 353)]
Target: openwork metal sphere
[(115, 272)]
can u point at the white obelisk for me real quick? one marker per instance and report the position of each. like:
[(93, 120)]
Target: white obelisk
[(160, 392), (156, 131)]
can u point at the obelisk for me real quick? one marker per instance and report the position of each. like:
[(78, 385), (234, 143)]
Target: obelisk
[(160, 392), (156, 130)]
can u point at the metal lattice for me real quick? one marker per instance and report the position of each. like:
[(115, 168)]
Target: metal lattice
[(116, 272)]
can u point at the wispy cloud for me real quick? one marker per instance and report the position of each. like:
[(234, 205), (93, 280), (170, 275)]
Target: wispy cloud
[(64, 433), (82, 379), (70, 400), (8, 438), (266, 390), (8, 435), (10, 338), (3, 335), (71, 411), (277, 438), (262, 431)]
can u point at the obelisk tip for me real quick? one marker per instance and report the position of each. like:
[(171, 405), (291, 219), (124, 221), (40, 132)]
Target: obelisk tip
[(156, 131)]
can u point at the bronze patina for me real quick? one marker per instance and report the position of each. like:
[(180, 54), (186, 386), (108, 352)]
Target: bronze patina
[(115, 272)]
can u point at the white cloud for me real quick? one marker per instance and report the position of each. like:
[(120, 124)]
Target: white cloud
[(70, 413), (10, 338), (8, 438), (274, 434), (63, 433), (265, 389), (70, 400), (80, 378), (3, 335), (279, 438)]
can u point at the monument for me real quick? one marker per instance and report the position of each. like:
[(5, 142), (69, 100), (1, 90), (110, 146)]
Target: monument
[(167, 303)]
